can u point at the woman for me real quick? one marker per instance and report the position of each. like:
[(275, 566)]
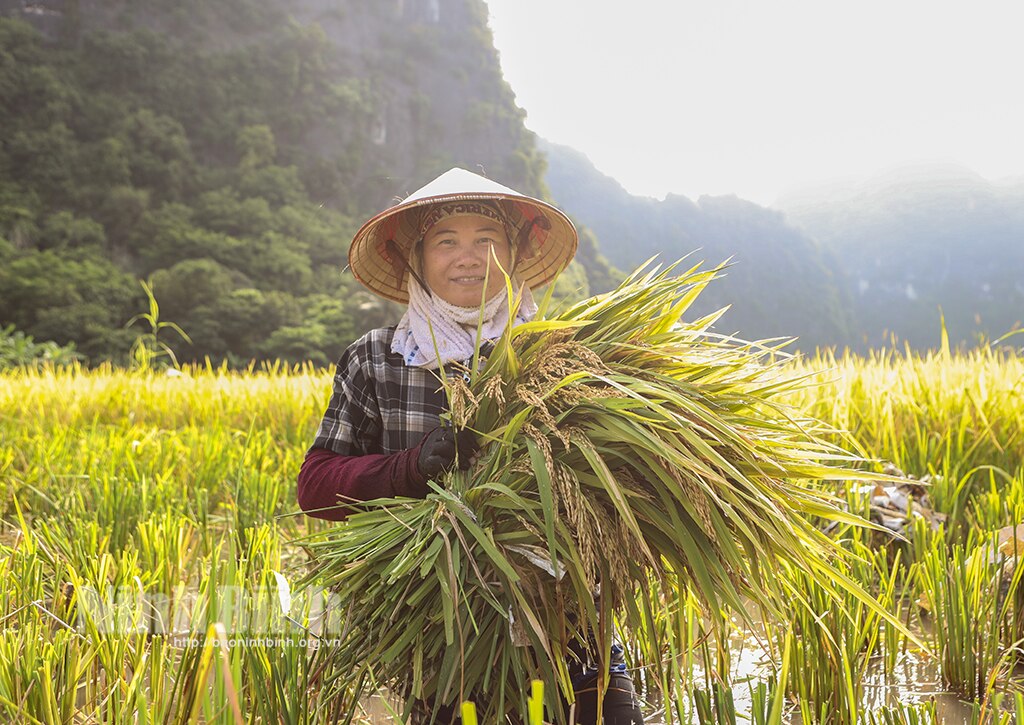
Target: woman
[(445, 252)]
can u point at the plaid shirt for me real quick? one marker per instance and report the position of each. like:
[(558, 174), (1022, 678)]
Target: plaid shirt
[(379, 404)]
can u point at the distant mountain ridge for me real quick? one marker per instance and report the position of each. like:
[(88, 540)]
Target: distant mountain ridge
[(780, 283), (919, 239), (856, 264)]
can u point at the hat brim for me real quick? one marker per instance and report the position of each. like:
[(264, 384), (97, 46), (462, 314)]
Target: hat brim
[(550, 241)]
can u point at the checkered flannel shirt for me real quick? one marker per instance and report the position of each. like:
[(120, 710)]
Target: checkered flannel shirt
[(379, 404)]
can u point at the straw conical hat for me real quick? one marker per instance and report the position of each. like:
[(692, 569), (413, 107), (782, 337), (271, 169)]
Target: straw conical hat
[(544, 238)]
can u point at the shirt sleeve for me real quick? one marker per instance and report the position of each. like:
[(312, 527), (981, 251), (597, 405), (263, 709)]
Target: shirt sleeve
[(328, 480), (351, 425), (346, 462)]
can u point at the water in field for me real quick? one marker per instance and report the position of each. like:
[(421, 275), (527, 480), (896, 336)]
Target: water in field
[(915, 679)]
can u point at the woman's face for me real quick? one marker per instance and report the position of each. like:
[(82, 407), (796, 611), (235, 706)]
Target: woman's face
[(456, 254)]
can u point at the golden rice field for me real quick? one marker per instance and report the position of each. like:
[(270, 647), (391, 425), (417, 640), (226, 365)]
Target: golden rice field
[(139, 510)]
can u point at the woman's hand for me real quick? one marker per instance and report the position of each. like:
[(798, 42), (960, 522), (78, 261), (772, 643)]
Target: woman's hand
[(442, 447)]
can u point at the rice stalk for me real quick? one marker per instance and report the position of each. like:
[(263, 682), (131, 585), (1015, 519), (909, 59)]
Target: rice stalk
[(620, 443)]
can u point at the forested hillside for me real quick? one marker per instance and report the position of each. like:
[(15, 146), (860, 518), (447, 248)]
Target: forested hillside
[(228, 151), (780, 283)]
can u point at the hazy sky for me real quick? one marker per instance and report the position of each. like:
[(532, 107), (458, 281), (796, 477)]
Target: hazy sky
[(753, 98)]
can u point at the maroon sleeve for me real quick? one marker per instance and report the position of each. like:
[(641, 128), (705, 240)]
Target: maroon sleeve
[(326, 479)]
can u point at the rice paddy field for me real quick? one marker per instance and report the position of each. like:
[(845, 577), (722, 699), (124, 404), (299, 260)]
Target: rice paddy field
[(150, 555)]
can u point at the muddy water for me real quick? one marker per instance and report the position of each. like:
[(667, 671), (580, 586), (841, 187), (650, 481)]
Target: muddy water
[(914, 679)]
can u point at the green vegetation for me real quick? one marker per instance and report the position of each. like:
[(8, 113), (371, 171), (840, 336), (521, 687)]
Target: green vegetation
[(133, 155), (19, 350), (177, 486)]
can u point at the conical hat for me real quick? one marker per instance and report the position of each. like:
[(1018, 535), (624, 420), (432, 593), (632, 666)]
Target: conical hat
[(544, 238)]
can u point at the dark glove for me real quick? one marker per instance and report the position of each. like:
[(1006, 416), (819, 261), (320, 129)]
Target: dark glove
[(442, 446)]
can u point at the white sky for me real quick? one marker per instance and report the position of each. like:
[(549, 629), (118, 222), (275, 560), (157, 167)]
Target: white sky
[(754, 98)]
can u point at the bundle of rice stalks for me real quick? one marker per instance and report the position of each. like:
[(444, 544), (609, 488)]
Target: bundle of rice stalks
[(618, 441)]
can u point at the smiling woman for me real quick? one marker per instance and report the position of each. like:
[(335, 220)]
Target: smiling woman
[(462, 253), (446, 251)]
